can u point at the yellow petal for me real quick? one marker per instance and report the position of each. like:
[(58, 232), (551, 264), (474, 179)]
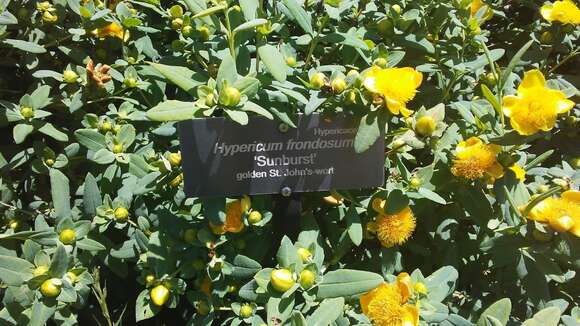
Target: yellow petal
[(519, 172), (546, 12), (495, 170), (404, 283), (510, 102), (406, 112), (393, 106), (572, 195), (564, 106), (532, 78)]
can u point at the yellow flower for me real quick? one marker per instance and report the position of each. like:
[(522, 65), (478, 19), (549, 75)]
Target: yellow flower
[(395, 229), (234, 223), (474, 159), (111, 30), (386, 306), (396, 85), (565, 12), (476, 5), (519, 172), (551, 210), (535, 107)]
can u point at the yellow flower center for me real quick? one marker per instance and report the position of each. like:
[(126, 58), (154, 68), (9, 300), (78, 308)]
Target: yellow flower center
[(395, 229)]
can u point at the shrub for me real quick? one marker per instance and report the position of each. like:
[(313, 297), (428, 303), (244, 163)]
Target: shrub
[(477, 221)]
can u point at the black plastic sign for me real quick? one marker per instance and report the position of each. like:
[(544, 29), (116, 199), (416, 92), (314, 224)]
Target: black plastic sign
[(223, 158)]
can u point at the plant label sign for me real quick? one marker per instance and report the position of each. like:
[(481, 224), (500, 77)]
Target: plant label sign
[(223, 158)]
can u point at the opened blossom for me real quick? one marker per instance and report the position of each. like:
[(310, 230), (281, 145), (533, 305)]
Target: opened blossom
[(234, 217), (565, 12), (396, 86), (475, 159), (476, 5), (562, 214), (111, 30), (388, 304), (535, 107), (396, 229)]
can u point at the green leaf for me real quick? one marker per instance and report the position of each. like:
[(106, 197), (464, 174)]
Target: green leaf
[(513, 62), (300, 15), (347, 283), (327, 312), (226, 72), (441, 283), (182, 77), (197, 6), (59, 262), (238, 116), (26, 46), (214, 209), (546, 317), (487, 93), (21, 131), (90, 245), (15, 271), (353, 225), (250, 24), (41, 312), (500, 310), (49, 130), (280, 309), (287, 255), (91, 195), (249, 8), (91, 139), (144, 309), (368, 132), (274, 61), (431, 195), (209, 11), (245, 267), (59, 188), (172, 110), (396, 201), (253, 107)]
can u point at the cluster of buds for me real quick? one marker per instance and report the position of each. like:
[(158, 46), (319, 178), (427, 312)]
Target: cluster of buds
[(46, 9), (319, 81)]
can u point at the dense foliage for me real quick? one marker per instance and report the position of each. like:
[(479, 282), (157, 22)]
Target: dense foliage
[(477, 221)]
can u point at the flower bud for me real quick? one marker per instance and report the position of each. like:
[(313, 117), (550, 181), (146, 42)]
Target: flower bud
[(415, 182), (291, 61), (254, 217), (338, 85), (121, 214), (67, 236), (396, 8), (40, 270), (43, 6), (27, 112), (70, 77), (352, 73), (230, 96), (190, 235), (175, 182), (562, 224), (546, 37), (118, 148), (317, 81), (209, 100), (304, 254), (420, 288), (378, 205), (204, 31), (425, 126), (202, 308), (176, 23), (13, 224), (307, 278), (72, 277), (562, 183), (130, 82), (105, 126), (159, 295), (174, 159), (176, 11), (149, 279), (380, 62), (49, 162), (246, 310), (281, 280), (51, 288), (48, 17), (186, 30), (351, 97)]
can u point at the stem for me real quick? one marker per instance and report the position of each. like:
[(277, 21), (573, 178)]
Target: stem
[(315, 39), (570, 56), (101, 296), (230, 35)]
